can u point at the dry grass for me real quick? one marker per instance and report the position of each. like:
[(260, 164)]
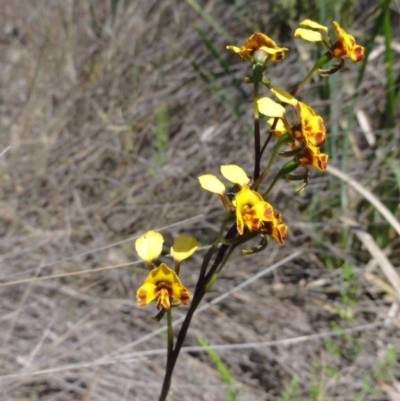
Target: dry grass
[(82, 86)]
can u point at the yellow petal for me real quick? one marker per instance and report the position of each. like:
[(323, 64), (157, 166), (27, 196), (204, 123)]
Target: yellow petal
[(162, 273), (270, 108), (279, 129), (342, 34), (306, 34), (313, 157), (258, 40), (255, 217), (233, 48), (245, 199), (306, 111), (180, 293), (211, 183), (276, 229), (239, 223), (284, 96), (163, 299), (235, 174), (149, 246), (314, 25), (276, 50), (263, 211), (248, 197), (357, 53), (183, 247), (146, 293)]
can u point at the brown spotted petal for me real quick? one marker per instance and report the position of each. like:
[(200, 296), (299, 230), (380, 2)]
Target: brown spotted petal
[(257, 215), (245, 200), (146, 293), (313, 157), (315, 131), (311, 130), (181, 294), (275, 228), (259, 41)]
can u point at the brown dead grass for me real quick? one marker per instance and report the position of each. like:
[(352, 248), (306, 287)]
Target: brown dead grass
[(80, 89)]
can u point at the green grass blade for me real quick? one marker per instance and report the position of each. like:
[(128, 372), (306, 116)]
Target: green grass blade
[(207, 17), (389, 119), (225, 374), (214, 51), (368, 47)]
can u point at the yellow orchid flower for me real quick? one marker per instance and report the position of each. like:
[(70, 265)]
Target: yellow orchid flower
[(259, 41), (311, 130), (248, 206), (310, 133), (162, 284), (345, 46), (251, 210)]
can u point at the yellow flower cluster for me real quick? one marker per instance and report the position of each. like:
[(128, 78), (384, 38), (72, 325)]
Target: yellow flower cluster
[(308, 131), (303, 131)]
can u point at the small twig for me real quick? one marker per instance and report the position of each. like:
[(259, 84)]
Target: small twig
[(78, 255), (61, 275), (5, 151)]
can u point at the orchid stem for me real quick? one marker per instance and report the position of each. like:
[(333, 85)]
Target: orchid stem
[(179, 342), (170, 339), (209, 254), (306, 78), (266, 193), (265, 144), (282, 140), (257, 76), (319, 63), (197, 297), (285, 170)]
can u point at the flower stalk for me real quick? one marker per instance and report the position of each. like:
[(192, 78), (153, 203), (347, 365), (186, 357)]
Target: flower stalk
[(257, 77)]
